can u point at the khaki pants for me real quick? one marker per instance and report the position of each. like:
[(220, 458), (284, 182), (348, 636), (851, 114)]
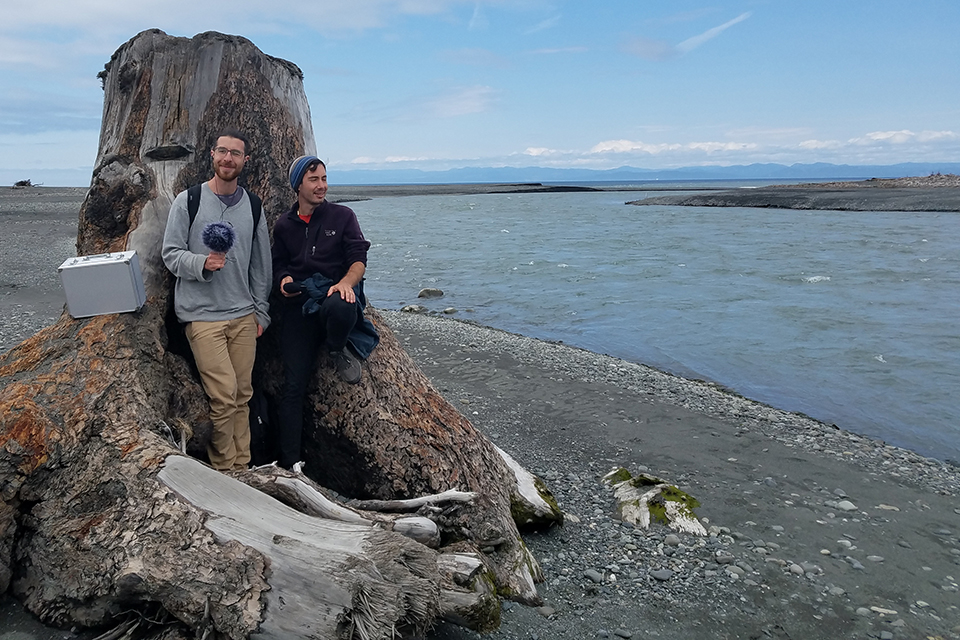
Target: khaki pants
[(225, 351)]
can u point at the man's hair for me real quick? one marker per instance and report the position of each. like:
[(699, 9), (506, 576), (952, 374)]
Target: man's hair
[(230, 132), (313, 166)]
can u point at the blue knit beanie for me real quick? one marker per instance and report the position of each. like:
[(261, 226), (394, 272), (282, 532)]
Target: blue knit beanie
[(298, 168)]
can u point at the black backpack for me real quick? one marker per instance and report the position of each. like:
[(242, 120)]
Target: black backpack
[(193, 205)]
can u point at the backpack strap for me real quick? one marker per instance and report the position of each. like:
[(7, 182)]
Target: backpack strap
[(256, 206), (193, 205)]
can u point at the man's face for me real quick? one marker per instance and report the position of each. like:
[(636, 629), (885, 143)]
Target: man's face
[(229, 156), (313, 189)]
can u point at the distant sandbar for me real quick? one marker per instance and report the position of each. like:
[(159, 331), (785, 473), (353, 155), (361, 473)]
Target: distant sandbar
[(931, 193)]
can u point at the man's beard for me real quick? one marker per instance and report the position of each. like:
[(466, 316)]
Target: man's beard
[(226, 174)]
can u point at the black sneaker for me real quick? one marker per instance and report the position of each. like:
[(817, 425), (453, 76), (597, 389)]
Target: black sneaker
[(348, 367)]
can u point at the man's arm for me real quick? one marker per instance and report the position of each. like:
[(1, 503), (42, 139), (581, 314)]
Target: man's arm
[(182, 262), (348, 282), (261, 275)]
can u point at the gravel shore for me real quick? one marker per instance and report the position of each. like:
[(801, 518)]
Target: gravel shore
[(814, 532)]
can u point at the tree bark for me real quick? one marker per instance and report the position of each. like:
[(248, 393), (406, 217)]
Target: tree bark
[(100, 514)]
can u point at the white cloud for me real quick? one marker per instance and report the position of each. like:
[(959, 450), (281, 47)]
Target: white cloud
[(658, 50), (711, 147), (820, 144), (629, 146), (560, 50), (903, 136), (395, 159), (468, 100), (478, 21), (692, 43), (931, 136), (387, 160), (896, 137), (549, 23), (649, 49), (17, 52)]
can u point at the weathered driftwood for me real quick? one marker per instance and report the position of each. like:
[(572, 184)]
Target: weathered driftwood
[(100, 514), (644, 499), (304, 496), (367, 581), (413, 504), (532, 503)]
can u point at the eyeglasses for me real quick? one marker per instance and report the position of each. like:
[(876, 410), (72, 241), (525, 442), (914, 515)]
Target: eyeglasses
[(222, 151)]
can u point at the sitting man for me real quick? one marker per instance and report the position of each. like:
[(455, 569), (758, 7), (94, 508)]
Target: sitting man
[(319, 258)]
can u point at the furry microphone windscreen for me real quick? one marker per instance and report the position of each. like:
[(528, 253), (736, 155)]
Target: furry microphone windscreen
[(218, 236)]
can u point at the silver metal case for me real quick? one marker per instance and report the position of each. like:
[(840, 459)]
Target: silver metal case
[(101, 284)]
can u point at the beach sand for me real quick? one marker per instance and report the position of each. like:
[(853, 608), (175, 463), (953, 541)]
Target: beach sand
[(817, 532)]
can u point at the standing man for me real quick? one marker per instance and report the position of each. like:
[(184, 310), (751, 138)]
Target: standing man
[(221, 296), (319, 258)]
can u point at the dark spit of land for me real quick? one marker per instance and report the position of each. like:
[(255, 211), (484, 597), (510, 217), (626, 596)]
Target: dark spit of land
[(932, 193)]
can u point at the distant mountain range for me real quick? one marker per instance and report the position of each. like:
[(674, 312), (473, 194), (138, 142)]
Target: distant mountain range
[(769, 171)]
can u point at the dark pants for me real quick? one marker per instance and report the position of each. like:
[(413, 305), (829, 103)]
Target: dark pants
[(301, 338)]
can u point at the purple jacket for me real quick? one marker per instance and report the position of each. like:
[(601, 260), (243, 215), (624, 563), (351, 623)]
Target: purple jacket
[(328, 245)]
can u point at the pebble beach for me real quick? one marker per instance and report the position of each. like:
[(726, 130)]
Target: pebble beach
[(814, 532)]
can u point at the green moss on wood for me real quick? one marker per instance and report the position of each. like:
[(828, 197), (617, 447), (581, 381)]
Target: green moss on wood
[(487, 617), (669, 493), (524, 513), (617, 476)]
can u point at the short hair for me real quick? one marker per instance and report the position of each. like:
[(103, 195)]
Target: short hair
[(230, 132)]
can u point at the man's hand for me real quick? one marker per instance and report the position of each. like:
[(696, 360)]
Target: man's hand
[(259, 330), (345, 291), (283, 282), (215, 261)]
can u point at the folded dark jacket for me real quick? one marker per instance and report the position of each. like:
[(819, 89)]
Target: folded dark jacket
[(363, 337)]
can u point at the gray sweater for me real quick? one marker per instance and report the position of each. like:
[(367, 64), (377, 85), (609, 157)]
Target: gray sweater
[(242, 286)]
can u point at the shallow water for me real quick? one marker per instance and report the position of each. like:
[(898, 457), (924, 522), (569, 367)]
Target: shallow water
[(848, 317)]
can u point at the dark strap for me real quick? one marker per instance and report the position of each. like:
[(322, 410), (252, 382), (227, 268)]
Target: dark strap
[(193, 205)]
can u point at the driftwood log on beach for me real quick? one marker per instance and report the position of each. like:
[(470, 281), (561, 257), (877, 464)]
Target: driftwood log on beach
[(102, 515)]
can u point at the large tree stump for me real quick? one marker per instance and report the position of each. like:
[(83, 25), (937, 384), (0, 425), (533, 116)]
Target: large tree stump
[(100, 514)]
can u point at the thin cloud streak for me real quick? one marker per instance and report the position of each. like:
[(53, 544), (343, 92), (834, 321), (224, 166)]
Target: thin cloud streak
[(550, 52), (659, 50), (549, 23), (478, 21), (692, 43)]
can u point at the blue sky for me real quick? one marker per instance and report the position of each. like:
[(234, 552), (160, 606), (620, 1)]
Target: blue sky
[(437, 84)]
